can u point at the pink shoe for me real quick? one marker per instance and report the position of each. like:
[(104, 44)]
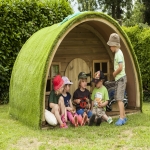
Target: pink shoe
[(84, 120), (63, 126)]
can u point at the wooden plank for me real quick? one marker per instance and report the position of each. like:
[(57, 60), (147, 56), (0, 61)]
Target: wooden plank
[(79, 50), (81, 35), (81, 42), (80, 39), (83, 55), (79, 29)]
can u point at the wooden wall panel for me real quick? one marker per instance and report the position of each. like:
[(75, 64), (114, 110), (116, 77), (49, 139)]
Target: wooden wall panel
[(80, 43)]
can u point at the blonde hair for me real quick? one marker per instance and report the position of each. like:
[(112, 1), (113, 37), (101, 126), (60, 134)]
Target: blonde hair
[(57, 92), (80, 80)]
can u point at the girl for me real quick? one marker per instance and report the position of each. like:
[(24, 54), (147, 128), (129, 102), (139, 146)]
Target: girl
[(71, 113), (81, 98), (56, 101)]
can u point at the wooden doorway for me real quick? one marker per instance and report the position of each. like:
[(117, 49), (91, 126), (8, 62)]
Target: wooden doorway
[(76, 66)]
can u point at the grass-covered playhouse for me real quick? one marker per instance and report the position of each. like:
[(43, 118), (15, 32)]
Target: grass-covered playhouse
[(76, 44)]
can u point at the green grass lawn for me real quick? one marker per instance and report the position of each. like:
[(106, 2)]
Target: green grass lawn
[(134, 135)]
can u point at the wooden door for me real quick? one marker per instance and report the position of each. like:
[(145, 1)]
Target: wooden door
[(76, 66)]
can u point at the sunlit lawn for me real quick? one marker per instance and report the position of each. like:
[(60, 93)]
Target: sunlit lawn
[(134, 135)]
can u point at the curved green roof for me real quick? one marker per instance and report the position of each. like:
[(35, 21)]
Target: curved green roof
[(28, 79)]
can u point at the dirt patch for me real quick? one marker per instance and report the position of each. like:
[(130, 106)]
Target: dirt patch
[(27, 144)]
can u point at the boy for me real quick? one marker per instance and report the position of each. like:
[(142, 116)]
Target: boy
[(81, 98), (119, 75), (99, 100)]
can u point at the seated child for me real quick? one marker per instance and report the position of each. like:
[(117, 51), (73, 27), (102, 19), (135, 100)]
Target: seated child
[(81, 98), (71, 112), (99, 100), (56, 101)]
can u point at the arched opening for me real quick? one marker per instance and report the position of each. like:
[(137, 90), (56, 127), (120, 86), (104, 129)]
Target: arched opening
[(87, 40)]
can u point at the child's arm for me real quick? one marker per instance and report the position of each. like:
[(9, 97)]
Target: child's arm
[(118, 70), (77, 101), (71, 107), (92, 103), (76, 98), (103, 104), (51, 105)]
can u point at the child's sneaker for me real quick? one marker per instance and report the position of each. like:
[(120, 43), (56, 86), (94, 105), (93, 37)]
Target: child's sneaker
[(109, 120), (125, 120), (98, 122), (120, 122), (92, 119), (63, 125)]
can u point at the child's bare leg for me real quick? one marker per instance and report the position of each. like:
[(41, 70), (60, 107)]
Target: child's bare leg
[(84, 119), (108, 119), (56, 111), (62, 105), (121, 109), (105, 117), (66, 119)]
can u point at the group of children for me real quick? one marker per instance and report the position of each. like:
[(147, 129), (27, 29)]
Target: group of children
[(83, 108)]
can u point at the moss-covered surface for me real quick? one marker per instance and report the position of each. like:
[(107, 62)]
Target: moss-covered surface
[(28, 82)]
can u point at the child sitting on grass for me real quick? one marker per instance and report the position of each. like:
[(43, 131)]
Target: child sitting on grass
[(99, 100), (81, 98), (56, 101), (71, 113)]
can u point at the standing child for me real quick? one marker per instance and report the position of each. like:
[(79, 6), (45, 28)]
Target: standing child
[(56, 101), (71, 113), (119, 75), (100, 100), (81, 98)]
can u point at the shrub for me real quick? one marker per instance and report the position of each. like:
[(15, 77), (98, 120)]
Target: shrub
[(18, 21), (140, 39)]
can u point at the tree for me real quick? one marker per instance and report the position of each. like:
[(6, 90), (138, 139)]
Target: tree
[(137, 15), (147, 11), (87, 5), (114, 8)]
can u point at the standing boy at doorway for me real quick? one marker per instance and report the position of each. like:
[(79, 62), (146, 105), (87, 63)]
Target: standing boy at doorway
[(119, 75)]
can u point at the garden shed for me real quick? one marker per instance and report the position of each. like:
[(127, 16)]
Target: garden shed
[(76, 44)]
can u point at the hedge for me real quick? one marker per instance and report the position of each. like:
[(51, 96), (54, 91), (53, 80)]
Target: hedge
[(18, 21), (140, 39)]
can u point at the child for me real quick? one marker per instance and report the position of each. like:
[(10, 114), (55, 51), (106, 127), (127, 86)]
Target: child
[(81, 98), (99, 100), (56, 101), (71, 113), (119, 75)]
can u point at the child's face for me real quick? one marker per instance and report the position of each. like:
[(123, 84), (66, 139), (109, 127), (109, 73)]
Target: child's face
[(99, 84), (60, 90), (83, 83), (113, 48), (67, 87)]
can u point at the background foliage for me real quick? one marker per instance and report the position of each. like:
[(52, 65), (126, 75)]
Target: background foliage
[(18, 21), (139, 36)]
